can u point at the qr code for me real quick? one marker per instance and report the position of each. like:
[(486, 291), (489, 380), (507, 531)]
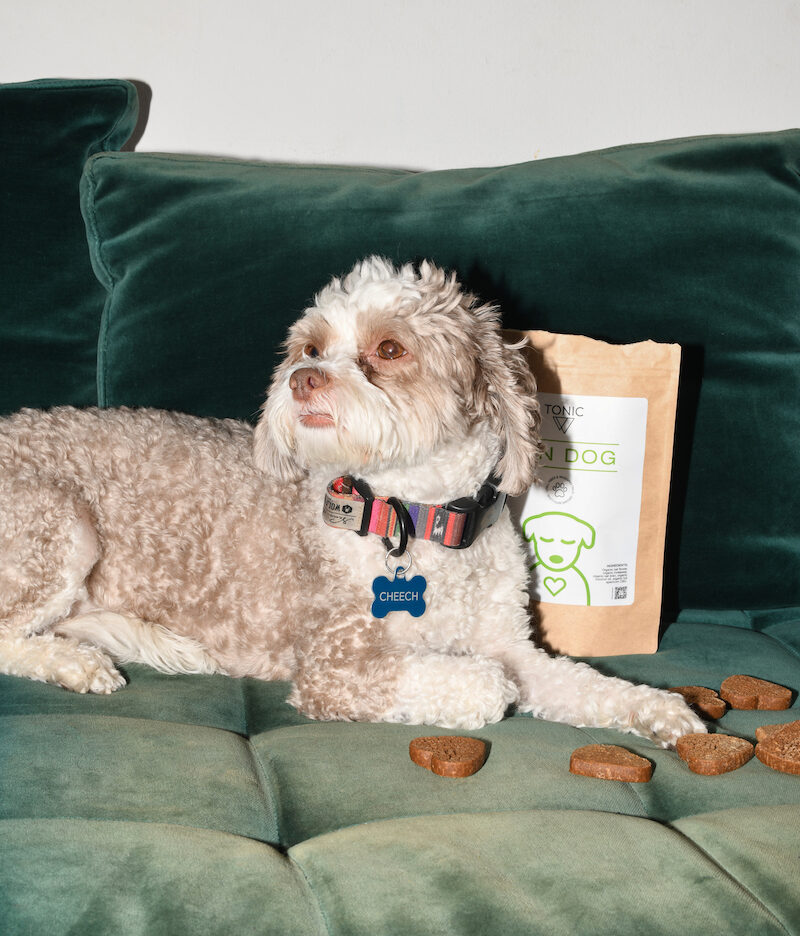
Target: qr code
[(620, 592)]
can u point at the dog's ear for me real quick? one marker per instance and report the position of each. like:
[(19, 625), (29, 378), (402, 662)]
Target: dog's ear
[(273, 442), (506, 391), (503, 386)]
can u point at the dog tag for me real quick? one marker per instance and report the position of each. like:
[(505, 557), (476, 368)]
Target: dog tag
[(397, 594)]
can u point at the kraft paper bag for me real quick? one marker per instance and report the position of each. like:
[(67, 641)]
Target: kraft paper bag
[(595, 520)]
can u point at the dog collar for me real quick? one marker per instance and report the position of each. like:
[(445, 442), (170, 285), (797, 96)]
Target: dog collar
[(350, 505)]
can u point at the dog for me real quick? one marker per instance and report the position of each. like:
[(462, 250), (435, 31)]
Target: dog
[(281, 552)]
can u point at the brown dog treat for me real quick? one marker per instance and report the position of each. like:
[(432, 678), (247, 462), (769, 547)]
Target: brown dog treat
[(610, 762), (766, 731), (448, 756), (713, 754), (705, 700), (780, 750), (748, 692)]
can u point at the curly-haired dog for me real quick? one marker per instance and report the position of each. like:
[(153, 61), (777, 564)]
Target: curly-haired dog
[(199, 545)]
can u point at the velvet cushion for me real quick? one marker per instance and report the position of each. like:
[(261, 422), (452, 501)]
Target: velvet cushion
[(64, 877), (207, 261), (50, 300), (203, 804), (560, 873)]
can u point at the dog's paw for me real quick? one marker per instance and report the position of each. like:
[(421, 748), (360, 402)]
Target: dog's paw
[(663, 717), (86, 669), (464, 692)]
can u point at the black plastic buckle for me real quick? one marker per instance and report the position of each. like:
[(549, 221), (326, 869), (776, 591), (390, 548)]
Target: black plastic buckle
[(363, 490), (480, 511)]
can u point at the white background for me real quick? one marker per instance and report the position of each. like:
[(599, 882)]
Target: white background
[(422, 83)]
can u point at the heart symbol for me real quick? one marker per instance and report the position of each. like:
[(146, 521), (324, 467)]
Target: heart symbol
[(555, 585)]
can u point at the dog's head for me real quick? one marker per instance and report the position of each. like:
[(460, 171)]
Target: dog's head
[(390, 367)]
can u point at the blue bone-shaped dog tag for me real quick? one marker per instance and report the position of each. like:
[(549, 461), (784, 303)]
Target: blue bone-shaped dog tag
[(398, 595)]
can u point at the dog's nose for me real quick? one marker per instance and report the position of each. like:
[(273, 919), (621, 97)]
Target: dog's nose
[(305, 380)]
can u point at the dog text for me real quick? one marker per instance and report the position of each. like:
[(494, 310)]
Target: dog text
[(578, 455)]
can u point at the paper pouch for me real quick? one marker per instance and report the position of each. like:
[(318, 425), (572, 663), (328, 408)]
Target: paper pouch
[(595, 520)]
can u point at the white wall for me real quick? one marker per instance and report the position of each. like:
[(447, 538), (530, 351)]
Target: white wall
[(422, 83)]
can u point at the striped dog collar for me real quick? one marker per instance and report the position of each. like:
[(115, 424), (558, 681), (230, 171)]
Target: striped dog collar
[(350, 505)]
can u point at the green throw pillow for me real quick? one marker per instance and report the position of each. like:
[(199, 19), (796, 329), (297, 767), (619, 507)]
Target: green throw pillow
[(207, 261), (50, 301)]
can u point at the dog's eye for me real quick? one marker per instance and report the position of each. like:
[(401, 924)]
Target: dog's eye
[(311, 350), (390, 349)]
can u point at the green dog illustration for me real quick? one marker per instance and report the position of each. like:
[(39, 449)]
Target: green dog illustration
[(558, 539)]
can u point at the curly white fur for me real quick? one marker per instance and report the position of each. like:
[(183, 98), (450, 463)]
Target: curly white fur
[(198, 545)]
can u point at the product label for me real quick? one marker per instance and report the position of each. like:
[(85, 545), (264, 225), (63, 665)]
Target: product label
[(581, 518)]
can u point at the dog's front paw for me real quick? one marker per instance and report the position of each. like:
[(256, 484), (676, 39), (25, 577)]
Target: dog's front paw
[(86, 669), (663, 717), (451, 691)]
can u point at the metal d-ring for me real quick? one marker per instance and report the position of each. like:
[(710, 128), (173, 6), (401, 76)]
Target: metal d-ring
[(406, 525), (399, 569)]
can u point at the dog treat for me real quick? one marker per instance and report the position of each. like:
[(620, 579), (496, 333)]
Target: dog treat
[(747, 692), (780, 748), (705, 700), (610, 762), (448, 756), (766, 731), (713, 754)]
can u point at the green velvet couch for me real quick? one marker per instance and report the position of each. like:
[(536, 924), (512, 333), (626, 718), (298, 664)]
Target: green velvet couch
[(207, 805)]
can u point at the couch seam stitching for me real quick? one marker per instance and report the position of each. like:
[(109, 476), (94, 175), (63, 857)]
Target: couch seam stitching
[(97, 238), (762, 633), (74, 713), (317, 902), (479, 812), (121, 820), (173, 823), (267, 788), (669, 144), (245, 721), (199, 159), (727, 874), (131, 100), (781, 643)]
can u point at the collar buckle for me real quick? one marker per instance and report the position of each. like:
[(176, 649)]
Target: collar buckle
[(480, 511)]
